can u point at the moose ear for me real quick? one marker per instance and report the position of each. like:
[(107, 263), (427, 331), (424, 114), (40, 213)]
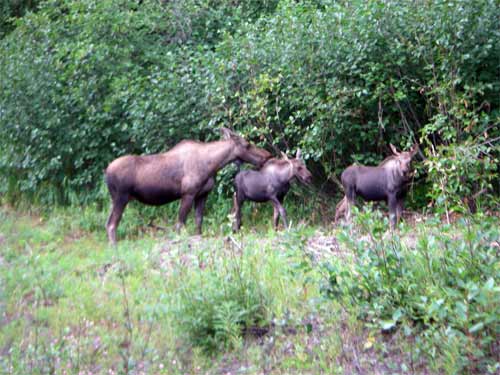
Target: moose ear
[(298, 155), (226, 133), (283, 155), (414, 149), (393, 149)]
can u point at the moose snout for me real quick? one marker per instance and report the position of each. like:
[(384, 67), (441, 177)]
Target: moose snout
[(307, 179), (406, 170)]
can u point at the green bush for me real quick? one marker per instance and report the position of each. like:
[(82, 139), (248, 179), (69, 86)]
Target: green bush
[(86, 81), (443, 289), (244, 289), (218, 305), (341, 81), (463, 176), (10, 10)]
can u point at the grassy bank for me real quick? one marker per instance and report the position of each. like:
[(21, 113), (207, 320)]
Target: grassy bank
[(307, 300)]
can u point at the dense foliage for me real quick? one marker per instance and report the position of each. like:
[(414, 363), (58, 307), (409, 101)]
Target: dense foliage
[(10, 10), (442, 288), (86, 81)]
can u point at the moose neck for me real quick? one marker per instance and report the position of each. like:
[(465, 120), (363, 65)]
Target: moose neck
[(396, 177), (289, 171), (219, 153), (281, 169)]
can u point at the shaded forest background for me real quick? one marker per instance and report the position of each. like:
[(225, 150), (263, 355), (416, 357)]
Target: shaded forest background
[(83, 82)]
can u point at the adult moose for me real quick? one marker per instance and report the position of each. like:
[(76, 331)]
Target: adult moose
[(185, 172), (271, 183), (385, 182)]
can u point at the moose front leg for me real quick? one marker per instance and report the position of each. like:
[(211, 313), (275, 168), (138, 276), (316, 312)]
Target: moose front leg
[(186, 204), (276, 211), (199, 203), (238, 200), (199, 206), (399, 210), (393, 210), (278, 206)]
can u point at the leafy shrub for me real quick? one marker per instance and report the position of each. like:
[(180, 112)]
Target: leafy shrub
[(87, 81), (217, 305), (343, 80), (12, 9), (244, 288), (444, 290), (462, 175)]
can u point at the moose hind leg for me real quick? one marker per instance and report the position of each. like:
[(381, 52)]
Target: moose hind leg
[(348, 212), (276, 216), (341, 209), (118, 206), (350, 197)]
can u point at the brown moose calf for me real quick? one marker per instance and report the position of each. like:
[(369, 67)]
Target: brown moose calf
[(385, 182)]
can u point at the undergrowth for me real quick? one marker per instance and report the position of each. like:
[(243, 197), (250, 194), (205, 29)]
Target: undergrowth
[(308, 300), (437, 282)]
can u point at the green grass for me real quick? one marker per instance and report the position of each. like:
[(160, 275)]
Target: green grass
[(71, 301), (166, 303)]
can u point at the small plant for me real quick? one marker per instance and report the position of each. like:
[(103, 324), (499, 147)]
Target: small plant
[(218, 305), (444, 288), (462, 176)]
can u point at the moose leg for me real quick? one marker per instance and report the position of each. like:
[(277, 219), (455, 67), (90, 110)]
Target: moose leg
[(278, 206), (341, 208), (349, 197), (393, 210), (199, 203), (186, 204), (238, 200), (114, 218), (399, 210), (347, 214), (276, 212), (276, 216), (199, 206)]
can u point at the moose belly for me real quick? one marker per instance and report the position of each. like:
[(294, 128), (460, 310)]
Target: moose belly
[(155, 196), (258, 197), (372, 193)]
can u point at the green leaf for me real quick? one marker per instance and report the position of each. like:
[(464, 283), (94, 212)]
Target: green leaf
[(476, 327)]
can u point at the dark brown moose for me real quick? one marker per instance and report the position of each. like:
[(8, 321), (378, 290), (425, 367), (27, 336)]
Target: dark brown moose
[(386, 182), (271, 183), (185, 172)]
